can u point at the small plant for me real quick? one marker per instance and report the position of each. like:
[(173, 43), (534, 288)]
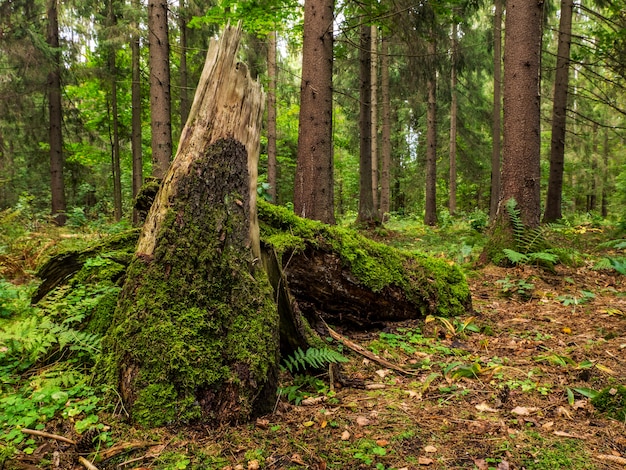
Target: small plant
[(312, 358), (302, 387), (456, 326), (521, 287), (568, 300)]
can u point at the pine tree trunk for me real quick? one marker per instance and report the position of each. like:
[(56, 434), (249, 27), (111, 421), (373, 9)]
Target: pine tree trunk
[(313, 187), (385, 174), (453, 114), (160, 99), (182, 68), (136, 115), (194, 336), (272, 69), (559, 115), (430, 212), (374, 107), (114, 134), (57, 184), (496, 130)]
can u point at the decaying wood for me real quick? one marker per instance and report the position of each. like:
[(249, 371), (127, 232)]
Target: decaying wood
[(47, 435), (227, 104)]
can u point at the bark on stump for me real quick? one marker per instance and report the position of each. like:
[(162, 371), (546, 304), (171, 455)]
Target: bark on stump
[(195, 333)]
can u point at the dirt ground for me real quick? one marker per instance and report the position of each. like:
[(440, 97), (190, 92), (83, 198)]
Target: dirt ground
[(510, 395)]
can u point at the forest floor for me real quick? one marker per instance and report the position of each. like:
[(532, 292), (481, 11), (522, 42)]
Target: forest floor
[(505, 387)]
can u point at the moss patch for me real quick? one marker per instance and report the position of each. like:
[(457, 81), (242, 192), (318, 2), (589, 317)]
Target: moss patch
[(612, 402)]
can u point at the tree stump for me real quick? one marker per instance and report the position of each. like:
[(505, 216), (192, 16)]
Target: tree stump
[(195, 334)]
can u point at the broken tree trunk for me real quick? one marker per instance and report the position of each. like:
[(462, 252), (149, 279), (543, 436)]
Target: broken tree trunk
[(195, 333)]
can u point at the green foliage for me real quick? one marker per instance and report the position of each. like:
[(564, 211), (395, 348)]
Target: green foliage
[(312, 358), (303, 386), (519, 287), (612, 402), (558, 454)]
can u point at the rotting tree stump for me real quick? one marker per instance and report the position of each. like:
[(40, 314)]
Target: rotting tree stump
[(195, 334)]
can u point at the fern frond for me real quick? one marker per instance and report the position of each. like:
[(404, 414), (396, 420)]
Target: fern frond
[(515, 257), (313, 357)]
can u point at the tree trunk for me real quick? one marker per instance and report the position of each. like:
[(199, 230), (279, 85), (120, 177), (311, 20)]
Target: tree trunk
[(385, 174), (182, 68), (313, 188), (367, 211), (430, 213), (374, 108), (559, 115), (136, 114), (114, 134), (453, 114), (160, 100), (194, 335), (272, 70), (57, 184), (496, 130), (521, 165)]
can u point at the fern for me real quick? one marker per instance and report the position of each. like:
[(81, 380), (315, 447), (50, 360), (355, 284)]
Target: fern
[(313, 357), (515, 257)]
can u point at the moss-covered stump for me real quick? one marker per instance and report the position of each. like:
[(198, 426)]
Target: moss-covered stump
[(343, 277), (195, 333)]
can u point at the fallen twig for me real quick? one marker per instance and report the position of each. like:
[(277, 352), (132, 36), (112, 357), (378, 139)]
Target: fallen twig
[(56, 437), (87, 464)]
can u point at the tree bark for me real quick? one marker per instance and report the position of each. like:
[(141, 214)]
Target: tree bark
[(385, 174), (313, 188), (367, 211), (160, 99), (374, 108), (185, 103), (57, 184), (272, 69), (430, 213), (114, 134), (136, 114), (521, 164), (559, 115), (453, 123), (194, 336), (496, 130)]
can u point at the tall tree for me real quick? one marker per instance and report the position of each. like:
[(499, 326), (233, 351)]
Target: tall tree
[(559, 115), (137, 176), (521, 163), (430, 212), (313, 189), (374, 109), (160, 100), (57, 184), (496, 129), (385, 174), (114, 134), (453, 118), (367, 211), (272, 70), (185, 102)]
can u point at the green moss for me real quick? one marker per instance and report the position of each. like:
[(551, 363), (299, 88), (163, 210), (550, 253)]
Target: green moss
[(436, 284), (196, 322), (612, 402)]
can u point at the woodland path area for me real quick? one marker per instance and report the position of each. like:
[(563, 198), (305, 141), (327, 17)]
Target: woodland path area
[(494, 398)]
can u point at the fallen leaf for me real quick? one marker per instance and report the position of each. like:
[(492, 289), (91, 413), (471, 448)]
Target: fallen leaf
[(374, 386), (345, 436), (382, 373), (362, 421), (504, 465), (566, 434), (424, 461), (566, 330), (382, 442), (523, 410), (308, 424), (430, 449), (262, 423), (313, 401), (547, 425), (481, 464), (612, 458), (323, 424), (295, 458), (253, 465), (484, 407)]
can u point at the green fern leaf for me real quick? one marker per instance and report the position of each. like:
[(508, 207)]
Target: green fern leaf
[(515, 257)]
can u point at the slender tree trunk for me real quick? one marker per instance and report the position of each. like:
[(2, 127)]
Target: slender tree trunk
[(160, 100), (605, 173), (313, 189), (367, 211), (593, 192), (272, 69), (374, 108), (57, 184), (114, 130), (430, 213), (136, 113), (453, 124), (496, 131), (185, 103), (559, 115), (521, 165), (195, 333), (385, 175)]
